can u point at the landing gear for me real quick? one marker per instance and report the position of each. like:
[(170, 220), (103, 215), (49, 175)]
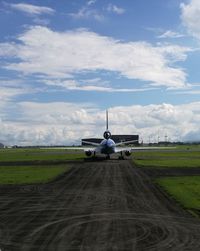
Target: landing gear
[(121, 157), (94, 155), (108, 156)]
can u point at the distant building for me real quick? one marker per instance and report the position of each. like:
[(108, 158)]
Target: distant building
[(1, 145), (116, 138)]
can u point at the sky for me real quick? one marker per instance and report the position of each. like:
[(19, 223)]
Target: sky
[(64, 63)]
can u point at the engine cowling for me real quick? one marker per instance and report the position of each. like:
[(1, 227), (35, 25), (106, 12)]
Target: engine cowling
[(88, 153), (128, 153), (107, 135)]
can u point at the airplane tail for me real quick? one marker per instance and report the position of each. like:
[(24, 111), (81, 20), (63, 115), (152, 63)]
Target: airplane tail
[(106, 120), (107, 134)]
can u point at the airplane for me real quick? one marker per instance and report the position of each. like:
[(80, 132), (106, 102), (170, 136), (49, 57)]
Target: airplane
[(107, 145)]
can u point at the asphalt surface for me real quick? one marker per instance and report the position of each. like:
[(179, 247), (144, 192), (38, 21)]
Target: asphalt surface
[(105, 205)]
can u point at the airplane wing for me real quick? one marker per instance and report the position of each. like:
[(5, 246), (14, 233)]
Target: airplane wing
[(83, 148), (90, 143), (152, 148), (147, 148), (126, 142), (92, 149), (122, 149)]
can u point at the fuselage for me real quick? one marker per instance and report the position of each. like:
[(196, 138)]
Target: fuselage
[(107, 146)]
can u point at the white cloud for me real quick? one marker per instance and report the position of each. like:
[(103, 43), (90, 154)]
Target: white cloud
[(87, 13), (115, 9), (32, 9), (8, 92), (91, 2), (91, 85), (177, 122), (41, 21), (190, 15), (171, 34), (81, 51), (11, 88), (8, 49), (51, 125), (67, 123)]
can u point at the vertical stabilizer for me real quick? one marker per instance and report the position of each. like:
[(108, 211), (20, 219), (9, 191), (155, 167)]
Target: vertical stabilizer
[(106, 120), (107, 134)]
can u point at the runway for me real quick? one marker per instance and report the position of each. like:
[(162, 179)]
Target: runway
[(96, 206)]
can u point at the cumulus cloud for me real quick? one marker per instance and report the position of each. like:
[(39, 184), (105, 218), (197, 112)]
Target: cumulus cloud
[(175, 121), (56, 123), (82, 51), (31, 9), (190, 15), (66, 123)]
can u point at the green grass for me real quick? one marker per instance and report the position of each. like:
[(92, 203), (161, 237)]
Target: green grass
[(168, 159), (186, 190), (12, 155), (39, 170), (30, 174)]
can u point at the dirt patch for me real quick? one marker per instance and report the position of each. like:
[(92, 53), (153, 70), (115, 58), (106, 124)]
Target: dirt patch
[(106, 205)]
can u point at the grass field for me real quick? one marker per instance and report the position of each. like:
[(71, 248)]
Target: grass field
[(39, 170), (30, 174), (22, 154), (167, 159), (186, 190)]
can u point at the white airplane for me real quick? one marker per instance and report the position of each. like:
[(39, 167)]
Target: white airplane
[(107, 145)]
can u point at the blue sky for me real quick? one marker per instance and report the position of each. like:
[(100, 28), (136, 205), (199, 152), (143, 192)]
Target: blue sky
[(63, 63)]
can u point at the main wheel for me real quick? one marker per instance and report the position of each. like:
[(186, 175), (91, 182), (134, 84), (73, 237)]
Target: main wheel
[(108, 156)]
